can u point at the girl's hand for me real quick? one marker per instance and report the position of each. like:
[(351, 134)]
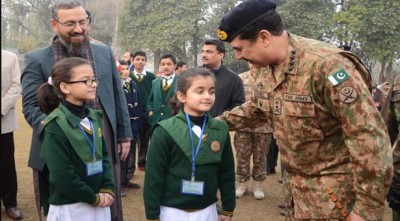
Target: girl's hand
[(108, 199), (102, 200), (225, 218)]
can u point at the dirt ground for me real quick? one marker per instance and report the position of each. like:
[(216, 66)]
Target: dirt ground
[(247, 208)]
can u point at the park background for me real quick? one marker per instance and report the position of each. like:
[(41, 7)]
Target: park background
[(370, 27)]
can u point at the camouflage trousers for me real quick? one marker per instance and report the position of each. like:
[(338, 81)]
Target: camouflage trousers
[(247, 144)]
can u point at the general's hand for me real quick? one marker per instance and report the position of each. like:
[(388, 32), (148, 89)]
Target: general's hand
[(123, 149), (355, 217), (150, 113)]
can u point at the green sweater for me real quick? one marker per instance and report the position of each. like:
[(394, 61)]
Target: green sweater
[(65, 155), (169, 160), (144, 87)]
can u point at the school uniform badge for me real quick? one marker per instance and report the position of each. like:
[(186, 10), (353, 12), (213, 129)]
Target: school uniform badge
[(348, 95), (215, 146)]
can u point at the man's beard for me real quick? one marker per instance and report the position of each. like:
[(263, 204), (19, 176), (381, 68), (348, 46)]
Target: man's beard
[(76, 49)]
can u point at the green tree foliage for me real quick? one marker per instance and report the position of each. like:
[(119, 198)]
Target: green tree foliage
[(174, 25), (154, 25), (27, 43), (308, 18), (371, 27)]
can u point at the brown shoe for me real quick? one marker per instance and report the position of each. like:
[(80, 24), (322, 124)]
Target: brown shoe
[(142, 168), (14, 213)]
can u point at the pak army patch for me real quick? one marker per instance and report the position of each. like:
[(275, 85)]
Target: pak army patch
[(338, 77), (348, 95)]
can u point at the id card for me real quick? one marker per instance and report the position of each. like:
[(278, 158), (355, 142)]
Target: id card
[(94, 167), (192, 187)]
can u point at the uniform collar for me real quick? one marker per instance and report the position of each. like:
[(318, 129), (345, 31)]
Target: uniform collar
[(72, 118)]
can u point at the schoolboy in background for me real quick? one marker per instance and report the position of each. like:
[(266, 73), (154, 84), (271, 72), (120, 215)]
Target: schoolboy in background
[(143, 80), (181, 67), (162, 91), (136, 113)]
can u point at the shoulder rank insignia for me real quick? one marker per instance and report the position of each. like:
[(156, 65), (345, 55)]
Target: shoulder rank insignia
[(338, 77)]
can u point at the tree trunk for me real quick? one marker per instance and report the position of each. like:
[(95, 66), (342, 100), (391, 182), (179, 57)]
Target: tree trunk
[(195, 43), (157, 55), (382, 73), (389, 69), (184, 55)]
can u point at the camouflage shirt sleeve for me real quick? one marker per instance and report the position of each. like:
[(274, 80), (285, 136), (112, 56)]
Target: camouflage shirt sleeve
[(246, 115), (395, 111), (364, 133)]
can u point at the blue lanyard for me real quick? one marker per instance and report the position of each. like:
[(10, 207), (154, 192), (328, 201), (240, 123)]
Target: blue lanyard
[(93, 148), (195, 152)]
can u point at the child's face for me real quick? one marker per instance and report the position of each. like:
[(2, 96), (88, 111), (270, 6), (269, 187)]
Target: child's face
[(76, 90), (167, 67), (199, 97), (124, 71), (139, 62)]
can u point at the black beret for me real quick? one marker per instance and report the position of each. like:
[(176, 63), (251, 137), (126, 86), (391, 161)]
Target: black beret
[(242, 16), (345, 47)]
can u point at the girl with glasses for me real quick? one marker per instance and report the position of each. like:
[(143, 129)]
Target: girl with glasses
[(79, 176)]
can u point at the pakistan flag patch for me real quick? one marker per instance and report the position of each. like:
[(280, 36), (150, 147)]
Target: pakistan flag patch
[(338, 77)]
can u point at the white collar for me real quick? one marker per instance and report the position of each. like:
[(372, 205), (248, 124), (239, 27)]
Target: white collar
[(137, 73), (171, 77)]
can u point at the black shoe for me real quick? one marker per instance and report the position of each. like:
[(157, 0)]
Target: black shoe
[(14, 213), (132, 185)]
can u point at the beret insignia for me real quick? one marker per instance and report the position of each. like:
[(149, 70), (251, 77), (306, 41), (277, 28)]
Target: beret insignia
[(222, 35)]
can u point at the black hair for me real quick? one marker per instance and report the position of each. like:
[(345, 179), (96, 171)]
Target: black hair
[(49, 94), (272, 22), (218, 43), (168, 55), (180, 64), (122, 62), (139, 53), (184, 82)]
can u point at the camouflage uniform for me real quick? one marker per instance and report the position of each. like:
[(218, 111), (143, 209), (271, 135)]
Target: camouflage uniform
[(250, 141), (328, 131), (394, 128)]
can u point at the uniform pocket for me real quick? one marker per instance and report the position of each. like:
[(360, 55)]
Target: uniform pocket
[(263, 104), (301, 121)]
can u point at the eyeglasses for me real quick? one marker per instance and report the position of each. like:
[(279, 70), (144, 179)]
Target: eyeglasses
[(88, 82), (72, 24)]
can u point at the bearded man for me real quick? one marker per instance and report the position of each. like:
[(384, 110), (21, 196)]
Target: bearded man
[(70, 22)]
